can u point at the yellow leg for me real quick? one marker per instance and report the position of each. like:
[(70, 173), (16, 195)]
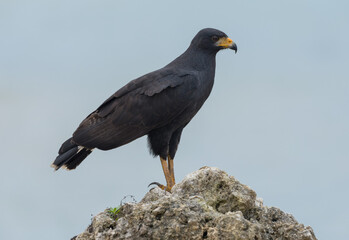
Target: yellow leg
[(169, 174), (171, 170), (165, 168)]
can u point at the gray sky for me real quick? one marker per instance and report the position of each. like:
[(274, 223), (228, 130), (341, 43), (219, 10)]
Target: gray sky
[(277, 118)]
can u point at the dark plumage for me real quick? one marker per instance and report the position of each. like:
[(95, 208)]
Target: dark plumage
[(159, 104)]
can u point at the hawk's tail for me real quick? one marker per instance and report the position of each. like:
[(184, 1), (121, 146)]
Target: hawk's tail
[(70, 155)]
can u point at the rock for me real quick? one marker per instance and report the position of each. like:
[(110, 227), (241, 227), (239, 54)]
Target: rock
[(207, 204)]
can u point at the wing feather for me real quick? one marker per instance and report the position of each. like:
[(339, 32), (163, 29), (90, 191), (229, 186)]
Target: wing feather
[(146, 103)]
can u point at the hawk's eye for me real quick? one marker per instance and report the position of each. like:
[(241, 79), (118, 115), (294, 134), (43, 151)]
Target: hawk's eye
[(215, 38)]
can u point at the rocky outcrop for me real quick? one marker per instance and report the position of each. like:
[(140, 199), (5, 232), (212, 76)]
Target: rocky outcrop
[(207, 204)]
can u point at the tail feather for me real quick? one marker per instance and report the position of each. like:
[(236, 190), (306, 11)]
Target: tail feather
[(77, 159), (70, 155), (64, 157), (67, 145)]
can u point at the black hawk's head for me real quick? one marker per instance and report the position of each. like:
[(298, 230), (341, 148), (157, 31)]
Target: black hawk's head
[(213, 40)]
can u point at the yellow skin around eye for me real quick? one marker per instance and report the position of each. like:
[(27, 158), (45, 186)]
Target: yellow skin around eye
[(225, 42)]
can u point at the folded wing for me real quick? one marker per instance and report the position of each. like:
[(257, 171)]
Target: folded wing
[(144, 104)]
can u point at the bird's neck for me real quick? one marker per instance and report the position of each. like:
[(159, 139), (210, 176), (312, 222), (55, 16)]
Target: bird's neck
[(196, 59)]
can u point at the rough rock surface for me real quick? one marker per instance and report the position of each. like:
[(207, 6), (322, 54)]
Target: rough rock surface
[(207, 204)]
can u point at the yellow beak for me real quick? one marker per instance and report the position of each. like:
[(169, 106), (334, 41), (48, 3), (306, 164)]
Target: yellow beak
[(226, 42)]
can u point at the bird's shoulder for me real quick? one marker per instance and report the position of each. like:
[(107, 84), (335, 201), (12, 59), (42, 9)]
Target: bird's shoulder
[(152, 84), (155, 82)]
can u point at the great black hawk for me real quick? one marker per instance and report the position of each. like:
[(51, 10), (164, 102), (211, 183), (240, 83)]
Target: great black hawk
[(159, 104)]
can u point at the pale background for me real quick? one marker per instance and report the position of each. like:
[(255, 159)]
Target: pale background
[(277, 118)]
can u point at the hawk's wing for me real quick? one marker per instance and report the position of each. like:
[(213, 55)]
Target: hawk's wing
[(146, 103)]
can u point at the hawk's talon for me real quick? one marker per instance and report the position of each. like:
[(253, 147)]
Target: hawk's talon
[(166, 188)]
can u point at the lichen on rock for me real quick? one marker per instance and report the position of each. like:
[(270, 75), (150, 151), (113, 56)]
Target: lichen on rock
[(207, 204)]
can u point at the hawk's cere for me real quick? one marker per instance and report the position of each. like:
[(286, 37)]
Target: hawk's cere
[(159, 104)]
